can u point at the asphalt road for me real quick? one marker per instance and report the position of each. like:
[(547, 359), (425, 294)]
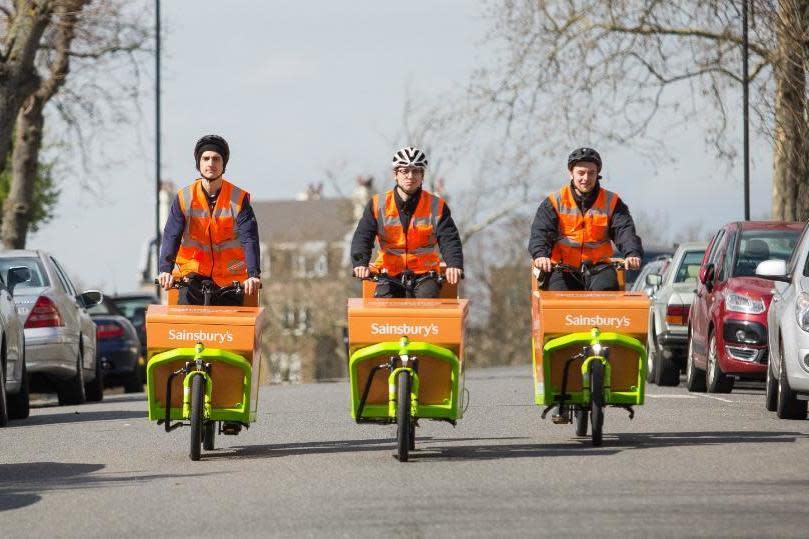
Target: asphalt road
[(686, 466)]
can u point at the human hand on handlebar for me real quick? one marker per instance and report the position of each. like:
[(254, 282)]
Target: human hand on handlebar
[(632, 262), (362, 272), (166, 280), (543, 263), (251, 285), (453, 275)]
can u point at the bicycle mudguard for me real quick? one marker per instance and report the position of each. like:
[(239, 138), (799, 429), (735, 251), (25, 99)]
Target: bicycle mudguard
[(433, 362), (230, 379), (626, 364)]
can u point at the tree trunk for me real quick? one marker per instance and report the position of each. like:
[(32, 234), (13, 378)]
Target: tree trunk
[(790, 190), (24, 167), (18, 76)]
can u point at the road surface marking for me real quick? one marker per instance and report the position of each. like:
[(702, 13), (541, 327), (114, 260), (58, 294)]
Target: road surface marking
[(716, 398), (670, 396)]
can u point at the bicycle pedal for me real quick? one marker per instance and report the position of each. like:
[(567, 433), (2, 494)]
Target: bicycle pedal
[(560, 419), (231, 429)]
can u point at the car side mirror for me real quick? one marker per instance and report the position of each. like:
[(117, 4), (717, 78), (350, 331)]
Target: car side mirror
[(706, 275), (139, 317), (775, 270), (90, 298), (654, 279), (17, 275)]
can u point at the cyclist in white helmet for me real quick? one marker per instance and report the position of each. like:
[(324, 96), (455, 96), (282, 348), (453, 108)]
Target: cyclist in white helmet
[(414, 229)]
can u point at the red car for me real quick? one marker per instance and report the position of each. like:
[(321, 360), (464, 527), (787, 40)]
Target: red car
[(728, 321)]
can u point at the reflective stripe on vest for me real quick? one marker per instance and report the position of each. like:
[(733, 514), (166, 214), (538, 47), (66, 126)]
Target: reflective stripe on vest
[(210, 245), (582, 237), (415, 249)]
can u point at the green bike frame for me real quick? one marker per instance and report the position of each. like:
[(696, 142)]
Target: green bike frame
[(240, 412), (594, 339), (446, 410)]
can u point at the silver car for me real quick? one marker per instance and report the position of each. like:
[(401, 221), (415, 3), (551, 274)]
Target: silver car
[(788, 333), (656, 266), (673, 293), (60, 336), (13, 378)]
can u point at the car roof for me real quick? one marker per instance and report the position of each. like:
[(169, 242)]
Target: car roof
[(693, 245), (768, 225), (17, 253)]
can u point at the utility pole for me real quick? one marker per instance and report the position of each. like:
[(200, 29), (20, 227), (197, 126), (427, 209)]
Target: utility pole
[(746, 111), (157, 144)]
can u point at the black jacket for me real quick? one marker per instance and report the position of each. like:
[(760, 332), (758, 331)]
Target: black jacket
[(449, 241), (545, 228)]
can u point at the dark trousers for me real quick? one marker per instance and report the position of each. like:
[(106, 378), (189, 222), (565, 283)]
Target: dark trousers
[(192, 295), (428, 288), (606, 279)]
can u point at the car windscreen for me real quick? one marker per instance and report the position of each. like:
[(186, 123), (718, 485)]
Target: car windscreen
[(689, 267), (756, 246), (100, 308), (38, 275), (127, 306)]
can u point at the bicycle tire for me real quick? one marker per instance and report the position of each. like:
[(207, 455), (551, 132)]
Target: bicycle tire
[(197, 403), (597, 402), (582, 417), (403, 416)]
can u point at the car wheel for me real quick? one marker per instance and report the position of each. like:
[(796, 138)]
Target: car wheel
[(694, 376), (787, 404), (134, 382), (716, 380), (770, 390), (95, 389), (3, 402), (668, 371), (651, 356), (19, 405), (72, 391)]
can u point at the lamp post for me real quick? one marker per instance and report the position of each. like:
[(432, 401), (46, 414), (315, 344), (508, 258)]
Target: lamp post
[(746, 112), (157, 142)]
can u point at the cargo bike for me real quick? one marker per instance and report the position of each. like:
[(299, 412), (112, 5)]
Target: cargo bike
[(204, 364), (588, 352), (406, 357)]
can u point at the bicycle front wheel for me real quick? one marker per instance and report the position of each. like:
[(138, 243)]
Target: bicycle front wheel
[(403, 419), (597, 401), (197, 403)]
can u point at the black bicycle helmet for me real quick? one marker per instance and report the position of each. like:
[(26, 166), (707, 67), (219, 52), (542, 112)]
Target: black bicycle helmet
[(588, 155), (213, 143)]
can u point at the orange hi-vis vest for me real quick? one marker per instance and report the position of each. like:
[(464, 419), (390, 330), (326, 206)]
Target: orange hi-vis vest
[(415, 249), (583, 237), (210, 246)]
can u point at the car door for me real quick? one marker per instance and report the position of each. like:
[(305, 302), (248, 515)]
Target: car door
[(724, 264), (699, 314), (12, 329), (86, 324), (784, 298), (68, 304)]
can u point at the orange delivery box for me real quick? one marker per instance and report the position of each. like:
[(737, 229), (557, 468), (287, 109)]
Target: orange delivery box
[(236, 329)]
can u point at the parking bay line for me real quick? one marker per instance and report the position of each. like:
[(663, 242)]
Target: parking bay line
[(715, 398), (670, 396)]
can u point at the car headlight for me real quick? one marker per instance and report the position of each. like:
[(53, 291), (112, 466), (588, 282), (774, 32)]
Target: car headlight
[(802, 311), (743, 304)]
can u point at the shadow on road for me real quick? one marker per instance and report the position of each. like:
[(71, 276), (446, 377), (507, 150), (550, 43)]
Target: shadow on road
[(78, 416), (23, 484)]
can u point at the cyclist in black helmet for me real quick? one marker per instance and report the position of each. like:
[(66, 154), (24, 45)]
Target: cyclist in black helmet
[(580, 226)]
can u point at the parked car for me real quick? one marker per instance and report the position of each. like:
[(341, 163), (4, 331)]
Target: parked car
[(728, 323), (118, 348), (60, 337), (788, 333), (672, 295), (656, 266), (134, 306), (13, 376)]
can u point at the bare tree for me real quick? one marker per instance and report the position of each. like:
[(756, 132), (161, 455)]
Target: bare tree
[(85, 41), (608, 68)]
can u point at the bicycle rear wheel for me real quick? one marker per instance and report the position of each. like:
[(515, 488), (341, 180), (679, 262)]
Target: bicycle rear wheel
[(597, 401), (581, 421), (197, 403), (403, 419)]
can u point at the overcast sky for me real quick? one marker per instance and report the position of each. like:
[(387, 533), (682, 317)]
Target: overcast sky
[(298, 88)]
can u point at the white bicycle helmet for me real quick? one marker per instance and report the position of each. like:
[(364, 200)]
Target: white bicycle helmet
[(409, 157)]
